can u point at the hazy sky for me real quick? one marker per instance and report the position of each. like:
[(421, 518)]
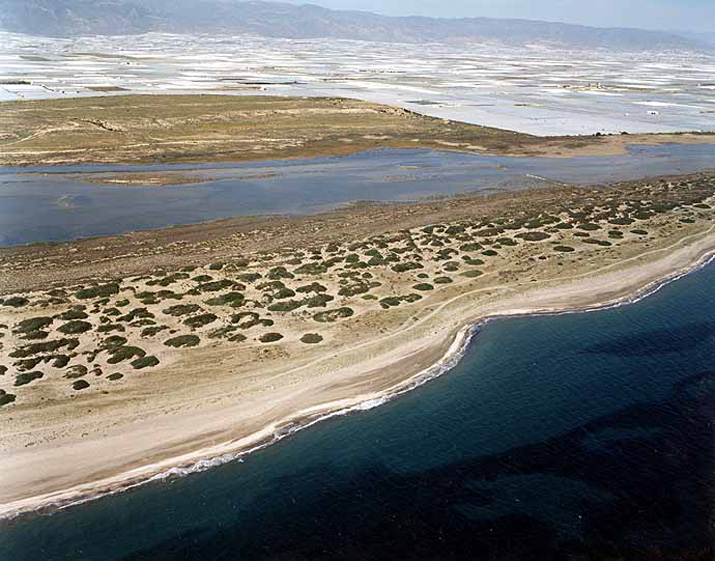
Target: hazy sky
[(698, 15)]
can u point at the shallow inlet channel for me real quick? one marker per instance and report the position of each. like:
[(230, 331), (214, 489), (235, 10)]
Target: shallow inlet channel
[(54, 204)]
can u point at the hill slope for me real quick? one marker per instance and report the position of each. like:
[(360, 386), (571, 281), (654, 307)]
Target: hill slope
[(273, 19)]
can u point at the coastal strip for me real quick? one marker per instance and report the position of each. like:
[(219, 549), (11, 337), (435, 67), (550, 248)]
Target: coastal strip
[(658, 273)]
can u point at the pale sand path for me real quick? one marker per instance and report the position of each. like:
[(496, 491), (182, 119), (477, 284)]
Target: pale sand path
[(74, 467)]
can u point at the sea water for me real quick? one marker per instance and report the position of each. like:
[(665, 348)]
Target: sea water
[(555, 436)]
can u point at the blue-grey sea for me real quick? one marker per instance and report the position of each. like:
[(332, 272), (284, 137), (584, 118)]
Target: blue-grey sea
[(586, 436)]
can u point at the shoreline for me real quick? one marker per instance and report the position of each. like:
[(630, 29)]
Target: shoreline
[(610, 145), (217, 454)]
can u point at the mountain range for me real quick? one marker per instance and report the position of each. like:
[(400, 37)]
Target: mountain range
[(274, 19)]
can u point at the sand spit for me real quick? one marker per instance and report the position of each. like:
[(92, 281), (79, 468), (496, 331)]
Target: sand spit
[(386, 377)]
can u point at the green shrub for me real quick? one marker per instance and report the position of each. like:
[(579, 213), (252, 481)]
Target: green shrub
[(354, 289), (318, 301), (279, 273), (270, 337), (137, 313), (222, 331), (181, 310), (80, 385), (153, 330), (183, 341), (246, 320), (6, 398), (107, 328), (249, 277), (442, 280), (34, 335), (423, 286), (199, 321), (100, 291), (408, 266), (283, 293), (473, 274), (312, 269), (593, 241), (330, 316), (564, 248), (115, 376), (125, 352), (589, 226), (533, 236), (285, 306), (60, 361), (215, 286), (27, 377), (32, 324), (313, 287), (639, 232), (145, 362), (311, 338), (233, 299), (238, 338), (490, 253), (113, 341), (45, 347), (3, 370), (621, 221), (15, 302), (74, 327), (76, 371), (28, 363)]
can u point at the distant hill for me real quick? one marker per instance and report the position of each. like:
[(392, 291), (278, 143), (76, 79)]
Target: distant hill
[(273, 19)]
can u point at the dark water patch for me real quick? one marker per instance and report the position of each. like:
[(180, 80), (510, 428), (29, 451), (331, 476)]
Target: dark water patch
[(657, 342)]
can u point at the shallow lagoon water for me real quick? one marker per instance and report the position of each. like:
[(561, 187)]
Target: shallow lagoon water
[(555, 436), (39, 204)]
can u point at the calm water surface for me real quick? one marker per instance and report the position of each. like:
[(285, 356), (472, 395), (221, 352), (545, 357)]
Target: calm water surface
[(583, 436), (52, 203)]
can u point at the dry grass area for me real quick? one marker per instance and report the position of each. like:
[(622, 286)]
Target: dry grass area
[(211, 128)]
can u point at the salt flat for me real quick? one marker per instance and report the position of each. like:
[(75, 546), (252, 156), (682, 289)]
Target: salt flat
[(532, 90)]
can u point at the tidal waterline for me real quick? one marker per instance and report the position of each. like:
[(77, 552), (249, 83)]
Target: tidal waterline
[(587, 433), (54, 203)]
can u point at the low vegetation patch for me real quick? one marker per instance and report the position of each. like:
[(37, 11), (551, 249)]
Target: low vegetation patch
[(331, 316), (311, 338), (145, 362), (75, 327), (202, 320), (27, 377), (183, 341), (270, 337), (100, 291)]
